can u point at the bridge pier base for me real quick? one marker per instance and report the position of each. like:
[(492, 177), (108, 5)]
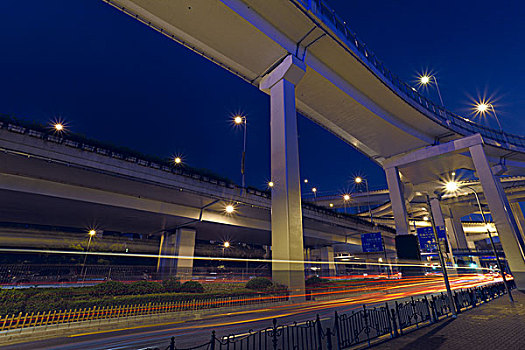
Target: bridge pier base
[(327, 255), (180, 243), (287, 226), (508, 231)]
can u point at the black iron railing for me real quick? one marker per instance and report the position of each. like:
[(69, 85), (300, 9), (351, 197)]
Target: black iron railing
[(357, 329)]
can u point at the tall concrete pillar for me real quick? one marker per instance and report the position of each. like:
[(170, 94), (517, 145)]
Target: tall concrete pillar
[(518, 216), (508, 231), (437, 214), (178, 244), (397, 199), (287, 225), (327, 255), (455, 232)]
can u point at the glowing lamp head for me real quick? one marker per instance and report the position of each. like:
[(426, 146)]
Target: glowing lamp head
[(229, 209), (92, 233), (346, 197), (452, 186), (226, 244), (177, 160), (314, 190), (238, 119), (425, 79), (331, 205), (305, 181), (271, 184), (482, 107), (358, 180), (59, 126)]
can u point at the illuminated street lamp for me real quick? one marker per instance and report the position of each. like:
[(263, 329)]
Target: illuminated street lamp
[(83, 273), (271, 184), (229, 209), (241, 120), (314, 190), (59, 127), (453, 187), (224, 246), (177, 160), (359, 180), (483, 107), (346, 197), (426, 79)]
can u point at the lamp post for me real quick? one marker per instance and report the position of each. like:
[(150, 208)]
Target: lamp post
[(442, 262), (453, 186), (359, 180), (484, 107), (426, 79), (241, 120), (314, 190), (83, 273)]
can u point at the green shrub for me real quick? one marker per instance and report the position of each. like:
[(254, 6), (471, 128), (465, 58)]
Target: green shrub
[(259, 283), (191, 287), (145, 287), (110, 288), (314, 281), (171, 285)]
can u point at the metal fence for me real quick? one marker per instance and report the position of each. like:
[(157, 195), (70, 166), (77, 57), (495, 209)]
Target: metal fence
[(27, 320), (360, 328)]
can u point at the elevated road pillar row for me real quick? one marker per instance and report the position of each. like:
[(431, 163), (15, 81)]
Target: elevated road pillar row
[(287, 226), (397, 198), (508, 231), (176, 253)]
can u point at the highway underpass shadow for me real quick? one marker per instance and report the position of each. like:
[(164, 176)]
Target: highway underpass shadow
[(428, 340)]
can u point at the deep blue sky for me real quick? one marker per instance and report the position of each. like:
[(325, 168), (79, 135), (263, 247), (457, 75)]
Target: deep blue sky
[(111, 78)]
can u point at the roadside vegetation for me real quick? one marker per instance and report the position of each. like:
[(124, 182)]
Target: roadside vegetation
[(114, 293)]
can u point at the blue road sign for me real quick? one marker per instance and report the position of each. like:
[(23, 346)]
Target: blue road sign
[(426, 237), (372, 242)]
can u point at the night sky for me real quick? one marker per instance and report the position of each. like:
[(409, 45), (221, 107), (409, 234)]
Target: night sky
[(111, 78)]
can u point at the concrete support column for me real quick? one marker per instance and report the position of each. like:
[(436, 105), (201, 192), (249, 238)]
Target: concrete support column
[(397, 198), (518, 216), (178, 244), (437, 214), (327, 255), (455, 232), (509, 235), (287, 226)]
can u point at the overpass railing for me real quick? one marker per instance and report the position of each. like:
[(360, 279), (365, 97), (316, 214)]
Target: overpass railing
[(358, 329), (438, 113)]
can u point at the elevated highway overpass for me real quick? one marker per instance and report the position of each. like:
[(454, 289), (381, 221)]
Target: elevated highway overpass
[(63, 180), (304, 56)]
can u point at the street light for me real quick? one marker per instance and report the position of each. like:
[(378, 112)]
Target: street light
[(241, 120), (483, 107), (314, 190), (426, 79), (453, 187), (359, 180), (59, 127), (271, 184), (83, 273), (229, 209), (177, 160)]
